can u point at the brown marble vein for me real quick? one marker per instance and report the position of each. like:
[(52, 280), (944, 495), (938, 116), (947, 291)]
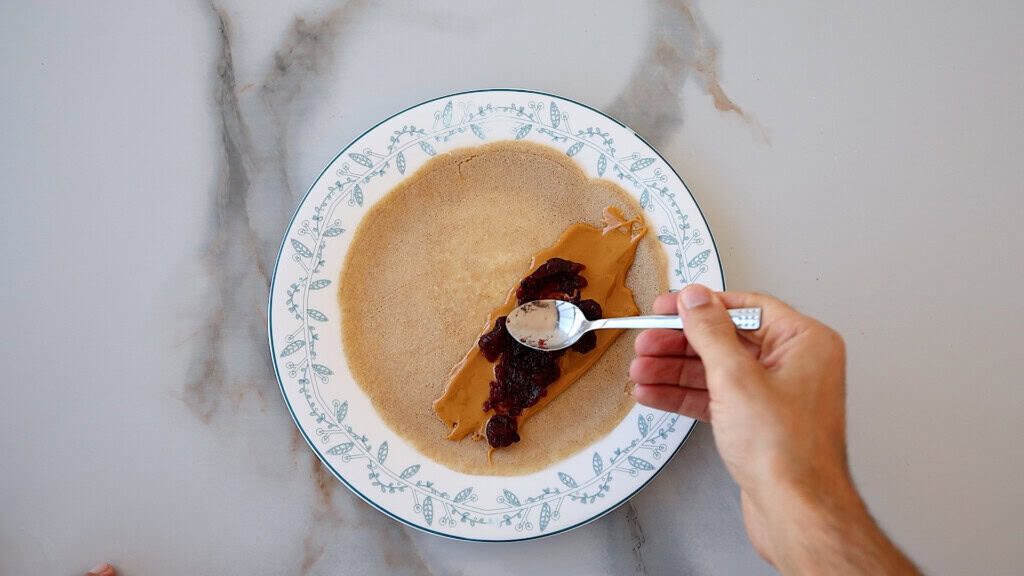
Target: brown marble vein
[(397, 550), (679, 48), (325, 517)]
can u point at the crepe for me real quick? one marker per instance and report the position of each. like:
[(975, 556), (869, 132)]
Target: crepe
[(436, 254)]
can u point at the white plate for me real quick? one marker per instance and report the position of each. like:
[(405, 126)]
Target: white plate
[(336, 417)]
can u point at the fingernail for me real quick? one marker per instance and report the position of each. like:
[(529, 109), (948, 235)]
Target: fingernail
[(695, 295), (99, 569)]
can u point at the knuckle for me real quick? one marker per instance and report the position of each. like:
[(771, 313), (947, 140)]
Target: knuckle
[(774, 303), (829, 336), (829, 339), (836, 340), (838, 345)]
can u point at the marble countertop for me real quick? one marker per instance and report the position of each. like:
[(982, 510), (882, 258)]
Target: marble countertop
[(860, 160)]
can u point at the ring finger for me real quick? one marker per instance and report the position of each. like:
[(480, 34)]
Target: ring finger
[(673, 370)]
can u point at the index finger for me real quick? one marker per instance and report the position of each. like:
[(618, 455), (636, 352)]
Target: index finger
[(665, 304)]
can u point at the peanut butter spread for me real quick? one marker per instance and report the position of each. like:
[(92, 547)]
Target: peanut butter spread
[(608, 254)]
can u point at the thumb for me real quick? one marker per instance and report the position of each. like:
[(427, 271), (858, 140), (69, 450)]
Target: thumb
[(710, 331)]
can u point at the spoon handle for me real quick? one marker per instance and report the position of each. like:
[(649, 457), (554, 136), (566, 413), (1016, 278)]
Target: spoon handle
[(743, 318)]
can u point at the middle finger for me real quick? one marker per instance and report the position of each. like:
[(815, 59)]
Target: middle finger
[(675, 371), (663, 342)]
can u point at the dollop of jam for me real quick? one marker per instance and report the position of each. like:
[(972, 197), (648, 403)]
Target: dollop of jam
[(502, 430), (522, 374), (556, 278)]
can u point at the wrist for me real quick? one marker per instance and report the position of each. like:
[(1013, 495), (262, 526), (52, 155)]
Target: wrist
[(806, 509), (812, 524), (831, 531)]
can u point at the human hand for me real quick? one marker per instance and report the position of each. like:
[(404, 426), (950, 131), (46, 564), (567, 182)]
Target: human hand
[(775, 399)]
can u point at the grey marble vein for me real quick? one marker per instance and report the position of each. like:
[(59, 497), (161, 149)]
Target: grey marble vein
[(253, 201), (639, 538), (252, 204), (233, 261)]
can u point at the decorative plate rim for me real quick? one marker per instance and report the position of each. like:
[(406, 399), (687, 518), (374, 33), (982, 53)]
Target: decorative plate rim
[(280, 380)]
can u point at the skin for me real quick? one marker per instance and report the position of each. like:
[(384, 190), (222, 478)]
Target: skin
[(775, 398)]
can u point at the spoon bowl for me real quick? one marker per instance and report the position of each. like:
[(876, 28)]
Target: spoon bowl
[(547, 324)]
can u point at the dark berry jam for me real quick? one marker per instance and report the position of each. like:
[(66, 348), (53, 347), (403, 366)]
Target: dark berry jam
[(496, 341), (558, 279), (586, 343), (592, 311), (502, 430), (522, 374)]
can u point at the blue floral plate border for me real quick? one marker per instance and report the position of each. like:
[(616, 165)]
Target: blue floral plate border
[(337, 419)]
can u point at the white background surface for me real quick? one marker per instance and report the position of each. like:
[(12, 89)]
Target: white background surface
[(150, 163)]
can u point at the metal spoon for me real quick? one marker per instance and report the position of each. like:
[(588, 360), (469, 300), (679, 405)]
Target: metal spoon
[(556, 324)]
